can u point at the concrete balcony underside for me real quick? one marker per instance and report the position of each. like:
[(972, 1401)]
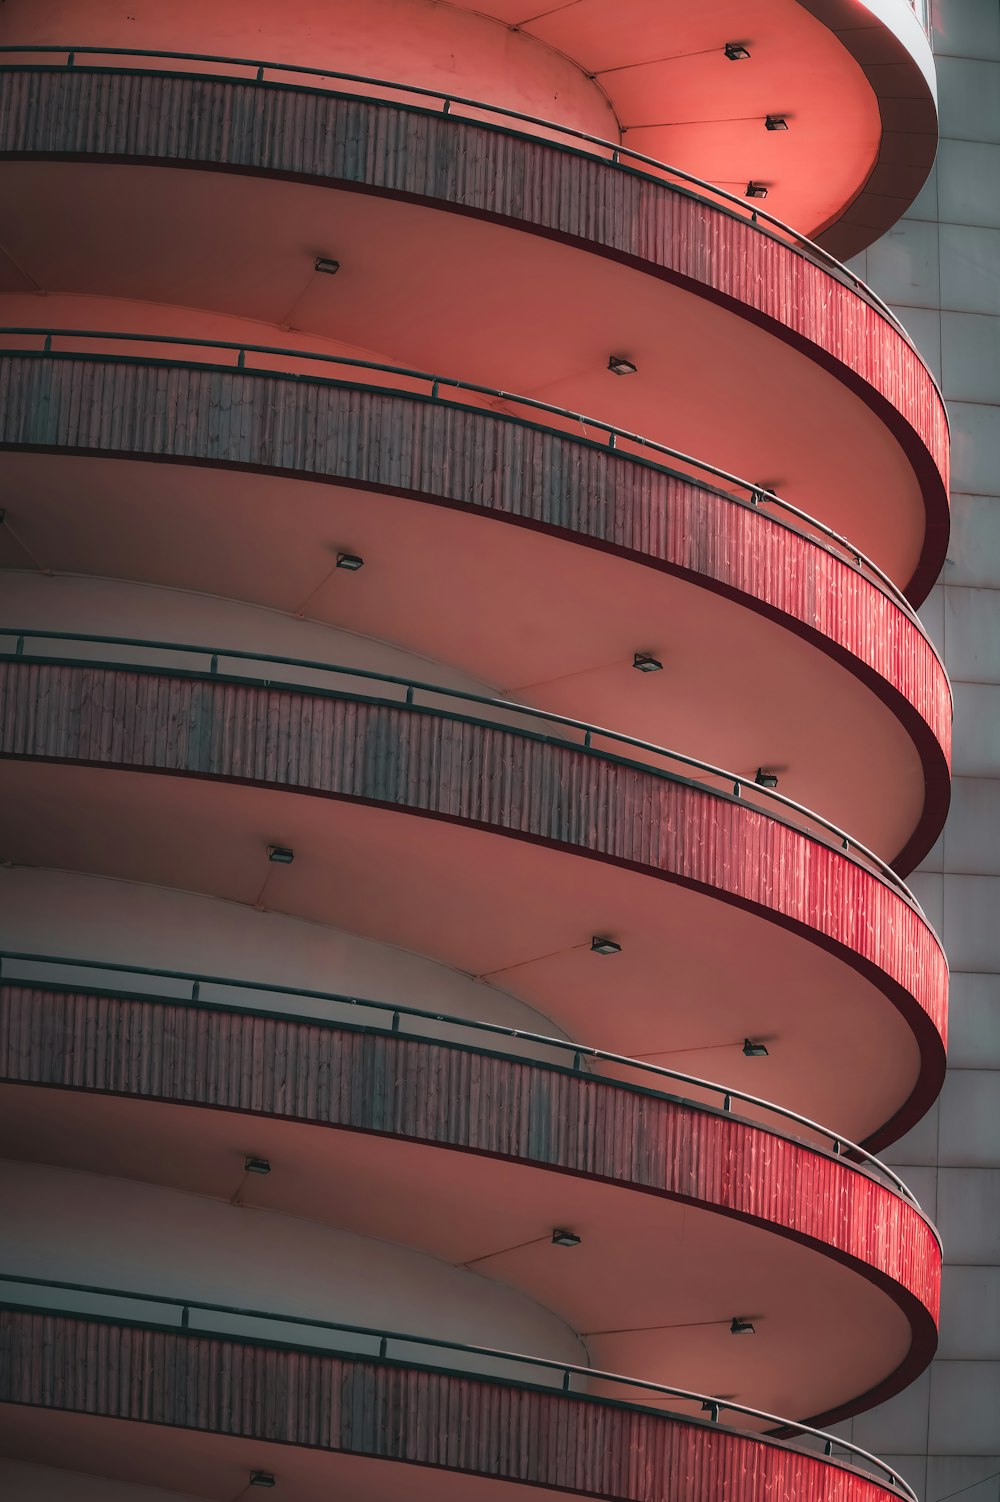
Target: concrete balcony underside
[(855, 81), (64, 1379), (663, 65), (371, 148), (852, 940), (59, 1050), (510, 469)]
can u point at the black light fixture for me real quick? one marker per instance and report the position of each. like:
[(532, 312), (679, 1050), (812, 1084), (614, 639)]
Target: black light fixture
[(756, 190), (736, 52), (261, 1478), (775, 122), (742, 1327), (618, 365), (765, 779), (351, 561), (327, 265), (281, 855), (601, 945), (257, 1165), (754, 1050), (565, 1238), (645, 662)]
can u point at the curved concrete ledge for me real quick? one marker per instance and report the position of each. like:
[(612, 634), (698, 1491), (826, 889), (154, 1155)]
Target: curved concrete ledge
[(891, 47), (510, 469), (354, 1406), (515, 1109), (499, 780), (480, 170)]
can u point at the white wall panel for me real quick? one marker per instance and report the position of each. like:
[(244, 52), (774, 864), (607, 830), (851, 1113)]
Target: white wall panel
[(970, 1314), (969, 98), (975, 1477), (977, 729), (975, 446), (965, 28), (972, 634), (965, 1402), (968, 1214), (904, 264), (974, 549), (971, 922), (974, 1021), (970, 356), (969, 1130), (972, 836), (968, 183)]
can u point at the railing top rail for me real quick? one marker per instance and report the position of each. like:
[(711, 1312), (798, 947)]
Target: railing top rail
[(843, 1148), (567, 1369), (776, 805), (648, 166), (759, 497)]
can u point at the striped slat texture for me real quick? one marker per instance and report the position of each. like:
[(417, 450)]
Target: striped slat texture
[(496, 465), (424, 1418), (452, 162), (506, 1108), (489, 777)]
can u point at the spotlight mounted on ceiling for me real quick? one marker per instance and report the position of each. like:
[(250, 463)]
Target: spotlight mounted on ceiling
[(618, 365), (262, 1478), (775, 122), (281, 855), (742, 1327), (257, 1165), (755, 190), (327, 265), (562, 1237), (736, 52), (754, 1050), (765, 779), (350, 561), (645, 662), (600, 945)]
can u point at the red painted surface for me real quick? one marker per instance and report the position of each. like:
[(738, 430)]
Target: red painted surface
[(490, 778), (452, 163), (481, 1103), (508, 469), (652, 75), (357, 1407)]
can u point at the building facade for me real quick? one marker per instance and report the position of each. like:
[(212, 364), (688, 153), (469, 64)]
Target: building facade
[(939, 267), (466, 734)]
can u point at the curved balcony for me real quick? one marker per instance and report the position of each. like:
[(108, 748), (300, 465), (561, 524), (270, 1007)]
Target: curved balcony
[(803, 338), (866, 736), (82, 1030), (856, 78), (105, 1354), (843, 929)]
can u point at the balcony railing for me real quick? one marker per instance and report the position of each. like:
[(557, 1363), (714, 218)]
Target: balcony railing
[(418, 385), (431, 101), (334, 680), (343, 1012), (295, 1332)]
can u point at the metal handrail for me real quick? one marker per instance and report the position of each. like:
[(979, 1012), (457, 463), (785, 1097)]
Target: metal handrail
[(757, 496), (850, 1153), (773, 800), (566, 1371), (647, 166)]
